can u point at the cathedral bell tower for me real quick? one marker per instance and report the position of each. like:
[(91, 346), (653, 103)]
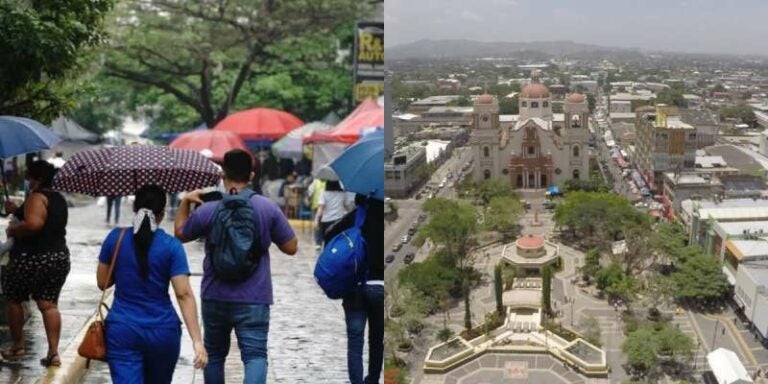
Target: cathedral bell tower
[(484, 138), (576, 135)]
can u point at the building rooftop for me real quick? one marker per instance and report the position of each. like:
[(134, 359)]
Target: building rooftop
[(737, 228), (727, 367), (748, 248), (622, 115), (686, 178), (674, 122), (450, 110), (758, 270), (710, 162), (435, 100), (698, 117), (730, 209), (735, 158)]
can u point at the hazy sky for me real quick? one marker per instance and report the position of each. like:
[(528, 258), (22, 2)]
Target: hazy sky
[(712, 26)]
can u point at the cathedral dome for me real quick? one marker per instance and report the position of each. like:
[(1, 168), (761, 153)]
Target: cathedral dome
[(485, 99), (575, 98), (535, 91)]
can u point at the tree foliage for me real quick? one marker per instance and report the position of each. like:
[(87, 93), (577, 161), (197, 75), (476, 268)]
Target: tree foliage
[(546, 289), (40, 50), (670, 96), (646, 346), (699, 280), (591, 264), (199, 61), (743, 113), (598, 218), (502, 215), (498, 287)]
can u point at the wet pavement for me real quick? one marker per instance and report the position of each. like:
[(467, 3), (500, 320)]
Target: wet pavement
[(307, 341)]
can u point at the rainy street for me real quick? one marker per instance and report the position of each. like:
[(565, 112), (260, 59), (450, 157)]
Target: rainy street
[(307, 342)]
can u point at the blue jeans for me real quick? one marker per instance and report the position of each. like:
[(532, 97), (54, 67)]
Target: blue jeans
[(114, 200), (139, 354), (251, 324), (367, 304)]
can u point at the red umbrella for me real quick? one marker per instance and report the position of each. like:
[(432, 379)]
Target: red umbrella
[(260, 124), (218, 142), (367, 115), (121, 170)]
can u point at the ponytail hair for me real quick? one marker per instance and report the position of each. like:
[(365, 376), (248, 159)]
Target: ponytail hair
[(149, 204)]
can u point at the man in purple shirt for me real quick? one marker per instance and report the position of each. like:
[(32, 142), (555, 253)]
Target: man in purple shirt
[(244, 305)]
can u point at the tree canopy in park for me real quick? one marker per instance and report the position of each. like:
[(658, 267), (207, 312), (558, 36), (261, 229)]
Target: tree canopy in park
[(699, 280), (197, 62), (40, 49), (598, 218), (503, 214), (648, 345)]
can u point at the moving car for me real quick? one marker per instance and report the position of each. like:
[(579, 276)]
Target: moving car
[(412, 231), (405, 239), (390, 258)]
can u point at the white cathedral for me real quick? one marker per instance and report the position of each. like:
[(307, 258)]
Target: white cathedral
[(540, 149)]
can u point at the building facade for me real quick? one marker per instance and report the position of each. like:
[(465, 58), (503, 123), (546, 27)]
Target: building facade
[(663, 143), (538, 150), (401, 171)]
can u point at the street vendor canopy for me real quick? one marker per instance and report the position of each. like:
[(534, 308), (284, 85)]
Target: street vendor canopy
[(260, 124), (368, 114)]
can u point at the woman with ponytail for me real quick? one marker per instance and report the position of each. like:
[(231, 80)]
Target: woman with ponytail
[(143, 332)]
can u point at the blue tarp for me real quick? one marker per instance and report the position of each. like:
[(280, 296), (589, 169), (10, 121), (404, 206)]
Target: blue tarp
[(554, 190)]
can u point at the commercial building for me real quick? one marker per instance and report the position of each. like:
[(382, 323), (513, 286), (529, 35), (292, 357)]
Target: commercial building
[(624, 106), (727, 368), (751, 294), (663, 143), (706, 124), (401, 172), (425, 104)]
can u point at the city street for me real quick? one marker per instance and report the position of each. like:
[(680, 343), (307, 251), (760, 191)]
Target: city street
[(300, 350), (408, 211)]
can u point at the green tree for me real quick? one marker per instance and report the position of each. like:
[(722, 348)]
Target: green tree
[(700, 281), (670, 96), (598, 218), (591, 264), (674, 344), (509, 106), (467, 312), (490, 188), (41, 49), (591, 102), (744, 113), (546, 289), (641, 349), (609, 276), (202, 61), (498, 286), (502, 215)]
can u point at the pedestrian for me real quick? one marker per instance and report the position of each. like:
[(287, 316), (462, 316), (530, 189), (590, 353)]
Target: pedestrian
[(367, 303), (334, 203), (39, 262), (113, 201), (314, 191), (242, 305), (143, 332)]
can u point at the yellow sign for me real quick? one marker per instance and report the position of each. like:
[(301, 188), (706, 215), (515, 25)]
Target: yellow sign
[(371, 48), (368, 90)]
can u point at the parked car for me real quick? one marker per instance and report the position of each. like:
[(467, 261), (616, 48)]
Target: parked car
[(412, 231), (409, 258), (397, 247), (390, 258), (422, 217), (405, 239)]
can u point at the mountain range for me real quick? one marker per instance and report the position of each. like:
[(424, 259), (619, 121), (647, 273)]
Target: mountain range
[(432, 49)]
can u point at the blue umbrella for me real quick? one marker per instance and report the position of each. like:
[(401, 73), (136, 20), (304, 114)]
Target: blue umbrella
[(361, 166), (19, 135)]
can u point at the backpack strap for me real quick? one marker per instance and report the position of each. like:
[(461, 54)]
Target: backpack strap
[(360, 214)]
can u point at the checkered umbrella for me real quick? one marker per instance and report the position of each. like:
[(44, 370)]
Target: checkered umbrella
[(121, 170)]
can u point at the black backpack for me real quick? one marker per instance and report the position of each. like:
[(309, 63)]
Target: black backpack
[(235, 241)]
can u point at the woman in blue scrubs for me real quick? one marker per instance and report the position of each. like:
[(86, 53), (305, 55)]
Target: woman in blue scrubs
[(143, 331)]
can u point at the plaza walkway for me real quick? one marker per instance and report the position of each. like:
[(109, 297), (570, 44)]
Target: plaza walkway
[(307, 341)]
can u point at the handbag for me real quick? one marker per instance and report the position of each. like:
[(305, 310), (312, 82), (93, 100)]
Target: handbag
[(94, 346)]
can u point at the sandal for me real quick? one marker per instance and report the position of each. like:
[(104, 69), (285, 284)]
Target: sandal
[(51, 361), (12, 353)]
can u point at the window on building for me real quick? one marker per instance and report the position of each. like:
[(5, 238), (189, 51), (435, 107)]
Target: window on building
[(545, 104), (543, 181), (505, 171), (531, 180), (534, 104), (524, 104), (519, 181), (486, 152), (575, 151), (576, 174), (531, 150), (487, 174), (575, 122)]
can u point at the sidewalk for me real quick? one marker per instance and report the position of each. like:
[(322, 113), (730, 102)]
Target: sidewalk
[(307, 340)]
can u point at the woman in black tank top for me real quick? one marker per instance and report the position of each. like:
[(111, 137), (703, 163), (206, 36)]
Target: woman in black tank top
[(39, 262)]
